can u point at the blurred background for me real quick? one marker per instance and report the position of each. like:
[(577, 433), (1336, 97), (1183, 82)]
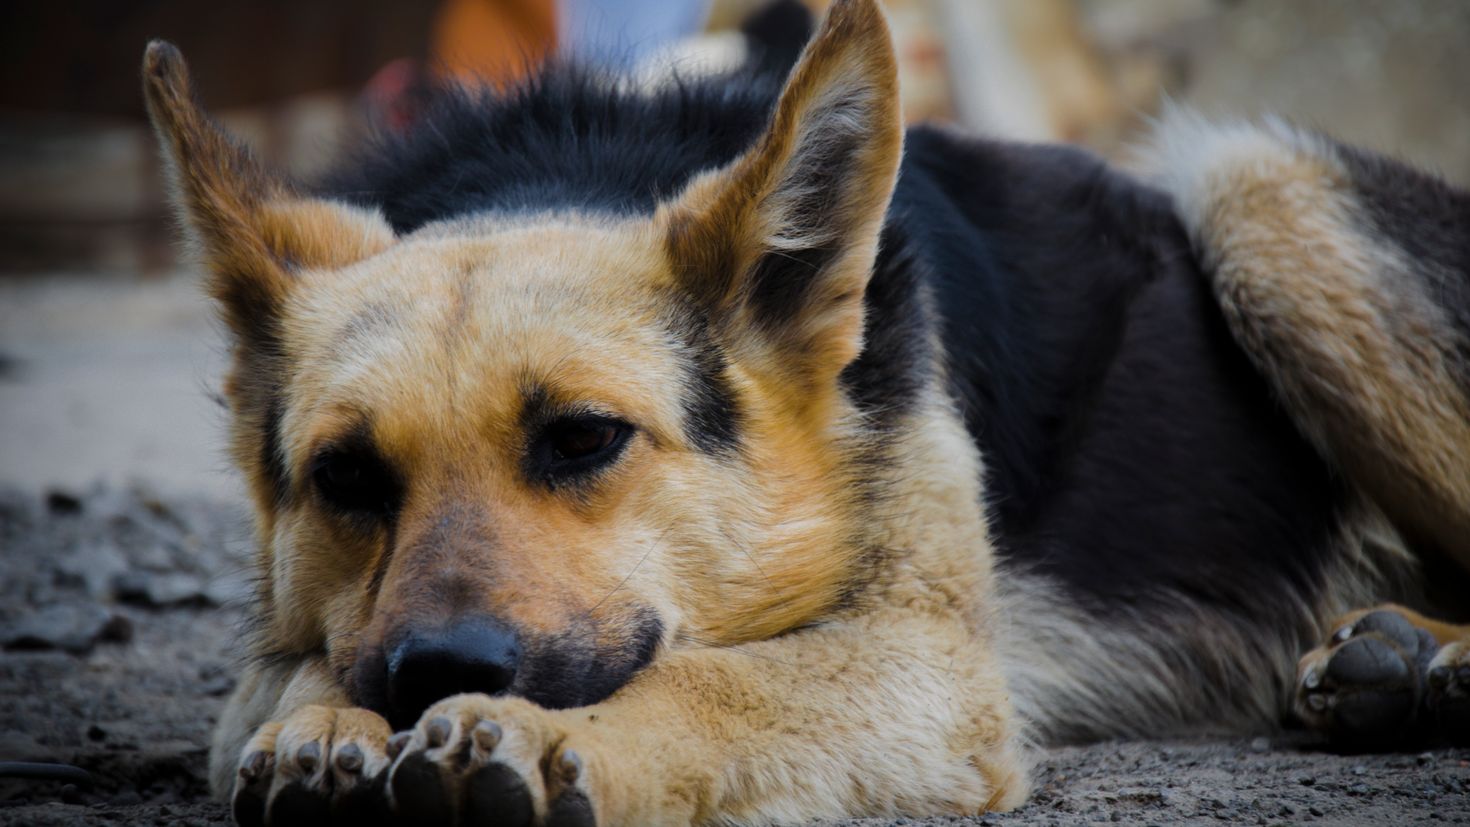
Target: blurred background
[(109, 358)]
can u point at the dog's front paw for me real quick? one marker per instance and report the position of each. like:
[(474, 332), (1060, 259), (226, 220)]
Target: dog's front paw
[(473, 759), (318, 766)]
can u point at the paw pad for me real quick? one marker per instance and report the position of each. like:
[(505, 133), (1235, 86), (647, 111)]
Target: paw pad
[(1366, 686)]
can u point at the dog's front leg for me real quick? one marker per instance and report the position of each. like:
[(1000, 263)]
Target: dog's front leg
[(291, 748), (882, 715)]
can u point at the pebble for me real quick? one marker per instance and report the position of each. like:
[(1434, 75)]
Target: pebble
[(1261, 745), (71, 628), (63, 502), (158, 591)]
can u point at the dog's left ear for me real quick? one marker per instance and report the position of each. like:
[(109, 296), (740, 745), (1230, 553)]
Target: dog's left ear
[(778, 246), (256, 233)]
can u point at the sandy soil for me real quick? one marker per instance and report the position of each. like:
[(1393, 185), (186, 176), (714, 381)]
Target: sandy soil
[(117, 615)]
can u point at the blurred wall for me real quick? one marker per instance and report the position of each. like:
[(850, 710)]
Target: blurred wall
[(81, 191)]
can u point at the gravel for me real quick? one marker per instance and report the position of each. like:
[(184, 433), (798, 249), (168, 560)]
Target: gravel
[(118, 618)]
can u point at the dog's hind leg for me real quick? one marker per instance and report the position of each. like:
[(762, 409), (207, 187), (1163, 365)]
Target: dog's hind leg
[(1346, 279)]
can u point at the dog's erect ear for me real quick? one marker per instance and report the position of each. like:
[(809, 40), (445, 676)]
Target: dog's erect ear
[(779, 245), (254, 231)]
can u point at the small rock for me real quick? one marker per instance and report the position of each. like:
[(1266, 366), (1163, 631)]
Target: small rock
[(1316, 811), (74, 629), (1360, 770), (1261, 745), (118, 630), (63, 502), (158, 591), (215, 680), (96, 733), (227, 590)]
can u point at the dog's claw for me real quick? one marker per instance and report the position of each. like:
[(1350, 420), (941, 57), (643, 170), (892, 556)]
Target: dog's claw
[(252, 767), (1439, 677), (487, 735), (308, 757), (349, 758), (248, 806), (569, 767), (438, 731)]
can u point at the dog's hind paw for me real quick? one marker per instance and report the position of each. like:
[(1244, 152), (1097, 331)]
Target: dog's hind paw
[(474, 759), (321, 765), (1381, 680)]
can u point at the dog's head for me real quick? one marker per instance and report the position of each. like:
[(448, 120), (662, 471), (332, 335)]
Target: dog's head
[(524, 452)]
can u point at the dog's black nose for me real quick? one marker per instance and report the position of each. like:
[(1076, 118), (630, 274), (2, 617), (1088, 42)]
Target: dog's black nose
[(470, 655)]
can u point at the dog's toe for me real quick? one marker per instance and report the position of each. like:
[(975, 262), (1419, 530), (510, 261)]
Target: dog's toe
[(253, 782), (1449, 691), (419, 789), (1374, 689)]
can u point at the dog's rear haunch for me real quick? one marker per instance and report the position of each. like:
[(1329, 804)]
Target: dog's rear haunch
[(624, 448)]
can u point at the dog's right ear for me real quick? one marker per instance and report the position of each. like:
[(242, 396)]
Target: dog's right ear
[(256, 235)]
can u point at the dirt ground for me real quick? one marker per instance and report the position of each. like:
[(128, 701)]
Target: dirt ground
[(118, 608)]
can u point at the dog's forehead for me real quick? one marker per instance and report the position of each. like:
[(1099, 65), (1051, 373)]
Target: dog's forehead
[(507, 283), (571, 308)]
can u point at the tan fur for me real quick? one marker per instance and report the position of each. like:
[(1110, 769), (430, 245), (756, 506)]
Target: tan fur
[(1334, 316), (728, 218), (1443, 633), (819, 660)]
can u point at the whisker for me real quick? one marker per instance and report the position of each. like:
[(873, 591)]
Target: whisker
[(731, 647), (621, 583)]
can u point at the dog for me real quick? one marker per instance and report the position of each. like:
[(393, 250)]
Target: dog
[(725, 453)]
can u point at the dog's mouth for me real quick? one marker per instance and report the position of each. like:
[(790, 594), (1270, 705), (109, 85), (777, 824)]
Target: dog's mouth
[(585, 663)]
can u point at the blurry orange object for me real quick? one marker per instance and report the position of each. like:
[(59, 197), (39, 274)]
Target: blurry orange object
[(493, 41)]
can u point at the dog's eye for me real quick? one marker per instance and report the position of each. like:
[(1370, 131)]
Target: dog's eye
[(579, 444), (575, 440), (356, 480)]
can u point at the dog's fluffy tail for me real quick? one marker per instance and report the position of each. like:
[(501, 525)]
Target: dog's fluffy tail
[(1346, 278)]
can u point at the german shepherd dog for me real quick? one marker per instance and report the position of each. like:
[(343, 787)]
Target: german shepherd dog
[(725, 454)]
